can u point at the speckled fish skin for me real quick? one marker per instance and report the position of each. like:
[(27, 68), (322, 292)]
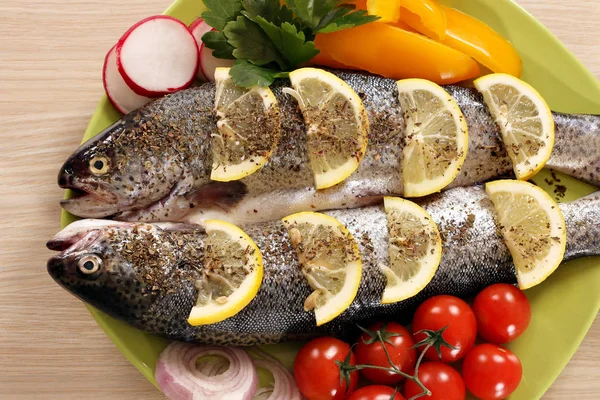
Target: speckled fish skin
[(160, 159), (149, 271), (577, 147)]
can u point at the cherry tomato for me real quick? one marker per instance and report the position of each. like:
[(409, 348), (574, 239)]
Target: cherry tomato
[(375, 392), (316, 373), (444, 382), (440, 311), (400, 350), (491, 371), (502, 312)]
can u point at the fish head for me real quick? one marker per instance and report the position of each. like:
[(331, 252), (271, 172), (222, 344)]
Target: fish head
[(89, 266), (119, 171), (117, 267)]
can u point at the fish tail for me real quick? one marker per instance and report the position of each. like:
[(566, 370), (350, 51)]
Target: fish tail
[(582, 218), (577, 147)]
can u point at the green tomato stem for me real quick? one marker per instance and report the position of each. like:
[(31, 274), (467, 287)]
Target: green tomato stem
[(435, 338)]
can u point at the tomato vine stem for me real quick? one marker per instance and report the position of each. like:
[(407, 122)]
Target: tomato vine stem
[(433, 339)]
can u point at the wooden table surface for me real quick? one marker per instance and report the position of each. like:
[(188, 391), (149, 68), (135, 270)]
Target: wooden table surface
[(51, 55)]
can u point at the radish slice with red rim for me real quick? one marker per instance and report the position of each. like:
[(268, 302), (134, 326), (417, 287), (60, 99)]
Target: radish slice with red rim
[(119, 94), (198, 29), (157, 56), (209, 63), (232, 374)]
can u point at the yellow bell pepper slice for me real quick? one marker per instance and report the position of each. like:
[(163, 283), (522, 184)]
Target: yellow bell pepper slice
[(404, 26), (425, 16), (395, 53), (388, 10), (326, 60), (471, 36)]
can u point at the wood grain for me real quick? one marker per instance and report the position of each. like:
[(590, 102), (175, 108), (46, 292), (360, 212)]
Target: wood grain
[(50, 60)]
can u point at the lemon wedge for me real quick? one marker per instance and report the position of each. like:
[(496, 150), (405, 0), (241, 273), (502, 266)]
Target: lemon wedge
[(337, 127), (437, 137), (248, 128), (533, 228), (231, 275), (524, 118), (415, 249), (330, 261)]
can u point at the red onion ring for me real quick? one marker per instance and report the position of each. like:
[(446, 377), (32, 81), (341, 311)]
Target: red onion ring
[(284, 387), (179, 379)]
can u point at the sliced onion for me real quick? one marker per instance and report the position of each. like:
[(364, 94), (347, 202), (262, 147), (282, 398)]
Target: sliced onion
[(213, 367), (284, 387), (179, 379)]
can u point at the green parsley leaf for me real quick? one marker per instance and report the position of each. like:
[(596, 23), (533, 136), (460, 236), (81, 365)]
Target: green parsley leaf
[(290, 43), (266, 37), (246, 74), (310, 12), (217, 41), (220, 12), (324, 16), (333, 14), (269, 10), (343, 18), (252, 43), (322, 7)]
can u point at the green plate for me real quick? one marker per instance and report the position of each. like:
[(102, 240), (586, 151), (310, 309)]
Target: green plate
[(564, 306)]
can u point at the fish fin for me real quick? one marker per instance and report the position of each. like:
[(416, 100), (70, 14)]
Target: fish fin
[(178, 226), (223, 194)]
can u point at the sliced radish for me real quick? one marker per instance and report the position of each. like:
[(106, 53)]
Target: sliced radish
[(208, 63), (157, 56), (198, 29), (120, 95)]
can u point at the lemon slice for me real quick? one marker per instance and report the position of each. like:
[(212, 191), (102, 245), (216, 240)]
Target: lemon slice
[(437, 137), (524, 118), (247, 129), (387, 10), (330, 261), (533, 228), (415, 249), (231, 274), (337, 127)]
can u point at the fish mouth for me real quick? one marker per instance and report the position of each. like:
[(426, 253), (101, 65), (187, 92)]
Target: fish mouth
[(62, 244), (89, 200), (55, 267), (65, 242), (79, 233), (76, 237)]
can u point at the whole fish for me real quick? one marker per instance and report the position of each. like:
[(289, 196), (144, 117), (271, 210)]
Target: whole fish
[(148, 271), (154, 164)]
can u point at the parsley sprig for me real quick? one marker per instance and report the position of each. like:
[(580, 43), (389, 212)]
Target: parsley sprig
[(267, 39)]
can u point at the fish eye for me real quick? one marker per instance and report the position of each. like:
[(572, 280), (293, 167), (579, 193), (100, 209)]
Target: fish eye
[(99, 165), (89, 265)]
